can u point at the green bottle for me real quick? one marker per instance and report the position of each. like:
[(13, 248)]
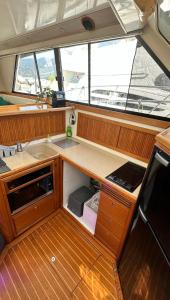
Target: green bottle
[(69, 132)]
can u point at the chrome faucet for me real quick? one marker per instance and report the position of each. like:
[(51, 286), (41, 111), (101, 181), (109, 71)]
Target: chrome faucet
[(19, 147)]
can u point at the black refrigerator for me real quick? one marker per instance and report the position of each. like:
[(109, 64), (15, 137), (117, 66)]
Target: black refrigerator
[(144, 266)]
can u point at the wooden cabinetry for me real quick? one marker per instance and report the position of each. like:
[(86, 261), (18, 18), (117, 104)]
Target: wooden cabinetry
[(33, 213), (28, 196), (134, 140), (113, 220)]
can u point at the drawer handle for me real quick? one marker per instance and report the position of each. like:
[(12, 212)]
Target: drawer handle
[(35, 207)]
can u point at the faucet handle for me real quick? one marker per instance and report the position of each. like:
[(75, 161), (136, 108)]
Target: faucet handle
[(19, 147)]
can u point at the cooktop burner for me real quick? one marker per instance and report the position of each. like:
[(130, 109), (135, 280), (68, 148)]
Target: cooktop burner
[(128, 176)]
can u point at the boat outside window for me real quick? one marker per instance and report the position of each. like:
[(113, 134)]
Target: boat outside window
[(75, 72), (121, 74)]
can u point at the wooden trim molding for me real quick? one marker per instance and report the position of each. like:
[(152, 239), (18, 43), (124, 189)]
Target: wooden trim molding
[(124, 116), (164, 138), (21, 95)]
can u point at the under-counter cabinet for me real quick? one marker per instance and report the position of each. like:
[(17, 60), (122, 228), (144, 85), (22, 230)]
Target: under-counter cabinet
[(113, 219), (114, 213), (31, 194), (74, 178)]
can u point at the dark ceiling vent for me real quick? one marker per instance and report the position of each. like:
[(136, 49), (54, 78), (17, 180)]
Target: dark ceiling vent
[(88, 23)]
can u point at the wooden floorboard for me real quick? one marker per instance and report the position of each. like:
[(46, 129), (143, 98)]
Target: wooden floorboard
[(57, 261)]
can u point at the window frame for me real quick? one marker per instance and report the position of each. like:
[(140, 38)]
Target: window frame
[(60, 78), (157, 25), (15, 74), (57, 66)]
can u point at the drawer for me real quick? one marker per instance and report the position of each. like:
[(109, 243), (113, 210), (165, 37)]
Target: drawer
[(112, 222), (30, 215), (111, 207)]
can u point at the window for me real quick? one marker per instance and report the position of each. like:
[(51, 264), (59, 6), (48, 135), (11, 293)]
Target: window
[(149, 91), (120, 74), (35, 72), (47, 69), (163, 13), (26, 77), (75, 71), (111, 65)]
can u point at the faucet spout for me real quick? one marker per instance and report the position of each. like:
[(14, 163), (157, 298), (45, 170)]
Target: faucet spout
[(19, 147)]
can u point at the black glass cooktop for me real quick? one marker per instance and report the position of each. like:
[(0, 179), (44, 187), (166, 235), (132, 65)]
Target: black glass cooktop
[(128, 176)]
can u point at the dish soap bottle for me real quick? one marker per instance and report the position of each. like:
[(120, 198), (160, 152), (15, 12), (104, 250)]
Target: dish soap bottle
[(69, 132)]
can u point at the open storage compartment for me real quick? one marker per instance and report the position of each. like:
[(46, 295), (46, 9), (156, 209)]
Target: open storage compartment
[(73, 179), (26, 189)]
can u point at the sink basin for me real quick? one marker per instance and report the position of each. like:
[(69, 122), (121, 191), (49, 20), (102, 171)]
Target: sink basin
[(41, 151), (66, 143)]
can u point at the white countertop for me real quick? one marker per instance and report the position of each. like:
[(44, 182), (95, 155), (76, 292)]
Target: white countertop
[(92, 159)]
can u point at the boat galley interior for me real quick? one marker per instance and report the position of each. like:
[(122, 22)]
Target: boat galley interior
[(85, 149)]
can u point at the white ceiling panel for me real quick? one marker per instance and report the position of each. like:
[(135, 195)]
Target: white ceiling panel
[(18, 17)]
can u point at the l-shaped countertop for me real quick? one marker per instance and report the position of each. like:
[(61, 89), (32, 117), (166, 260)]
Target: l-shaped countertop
[(89, 158)]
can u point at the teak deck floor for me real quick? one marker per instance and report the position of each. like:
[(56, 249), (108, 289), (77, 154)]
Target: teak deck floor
[(57, 260)]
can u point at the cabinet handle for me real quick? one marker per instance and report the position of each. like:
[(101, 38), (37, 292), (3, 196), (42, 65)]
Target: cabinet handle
[(35, 207)]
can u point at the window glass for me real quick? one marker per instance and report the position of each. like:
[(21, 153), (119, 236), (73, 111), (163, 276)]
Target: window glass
[(26, 75), (149, 91), (111, 65), (75, 71), (164, 18), (47, 69)]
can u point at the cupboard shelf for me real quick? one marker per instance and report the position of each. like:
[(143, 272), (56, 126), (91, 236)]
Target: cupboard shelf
[(28, 183)]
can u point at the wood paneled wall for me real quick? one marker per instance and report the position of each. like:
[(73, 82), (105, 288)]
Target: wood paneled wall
[(123, 115), (22, 128), (126, 138)]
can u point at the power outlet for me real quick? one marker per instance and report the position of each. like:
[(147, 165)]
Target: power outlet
[(72, 119)]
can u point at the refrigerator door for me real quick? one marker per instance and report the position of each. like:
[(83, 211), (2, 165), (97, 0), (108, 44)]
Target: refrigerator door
[(154, 199), (143, 270)]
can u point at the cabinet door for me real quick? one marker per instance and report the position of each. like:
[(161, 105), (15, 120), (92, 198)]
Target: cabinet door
[(34, 196), (112, 222), (33, 213)]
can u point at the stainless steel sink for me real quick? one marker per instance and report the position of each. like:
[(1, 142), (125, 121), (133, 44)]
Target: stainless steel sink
[(66, 143), (41, 151)]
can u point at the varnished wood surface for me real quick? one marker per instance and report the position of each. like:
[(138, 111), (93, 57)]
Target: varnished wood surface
[(136, 143), (29, 127), (164, 139), (132, 140), (32, 212), (113, 221), (79, 270), (124, 116), (21, 95), (146, 6), (15, 110)]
